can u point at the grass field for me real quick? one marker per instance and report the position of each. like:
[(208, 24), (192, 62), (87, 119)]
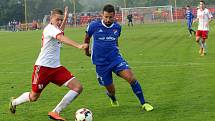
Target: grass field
[(175, 79)]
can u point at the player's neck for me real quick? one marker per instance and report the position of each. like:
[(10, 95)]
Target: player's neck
[(54, 25), (108, 26), (202, 9)]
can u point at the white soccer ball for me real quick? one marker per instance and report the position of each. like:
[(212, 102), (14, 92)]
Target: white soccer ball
[(83, 114)]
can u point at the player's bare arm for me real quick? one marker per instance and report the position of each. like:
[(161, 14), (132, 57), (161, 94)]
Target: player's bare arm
[(70, 42), (62, 27), (211, 19), (87, 41), (195, 20)]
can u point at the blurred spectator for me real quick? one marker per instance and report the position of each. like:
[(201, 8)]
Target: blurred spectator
[(34, 25)]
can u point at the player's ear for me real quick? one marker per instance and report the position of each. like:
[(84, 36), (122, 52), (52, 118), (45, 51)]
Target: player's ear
[(102, 13)]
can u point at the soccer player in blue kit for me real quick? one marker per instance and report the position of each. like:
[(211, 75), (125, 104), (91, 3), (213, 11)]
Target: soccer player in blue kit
[(189, 17), (106, 56)]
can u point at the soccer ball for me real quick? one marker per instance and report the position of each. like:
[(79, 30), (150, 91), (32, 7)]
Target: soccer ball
[(83, 114)]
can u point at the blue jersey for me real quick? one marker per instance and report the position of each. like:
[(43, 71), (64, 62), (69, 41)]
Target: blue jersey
[(105, 42), (189, 16)]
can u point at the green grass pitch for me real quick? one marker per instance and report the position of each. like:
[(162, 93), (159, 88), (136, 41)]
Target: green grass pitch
[(175, 79)]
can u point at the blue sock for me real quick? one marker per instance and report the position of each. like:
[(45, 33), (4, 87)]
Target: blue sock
[(138, 91), (112, 97)]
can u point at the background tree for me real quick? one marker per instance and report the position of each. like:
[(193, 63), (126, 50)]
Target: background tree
[(36, 9)]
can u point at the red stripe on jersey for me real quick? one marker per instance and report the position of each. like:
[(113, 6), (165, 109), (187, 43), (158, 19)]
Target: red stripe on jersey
[(36, 72), (59, 34)]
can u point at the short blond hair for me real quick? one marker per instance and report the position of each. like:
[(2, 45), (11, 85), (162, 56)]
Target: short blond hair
[(56, 11)]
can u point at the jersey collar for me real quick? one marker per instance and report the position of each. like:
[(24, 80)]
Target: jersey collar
[(107, 26)]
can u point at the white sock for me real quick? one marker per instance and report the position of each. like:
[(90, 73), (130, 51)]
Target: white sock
[(67, 99), (205, 47), (21, 99), (200, 43)]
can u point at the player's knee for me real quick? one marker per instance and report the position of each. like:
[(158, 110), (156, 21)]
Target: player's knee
[(112, 92), (78, 88), (33, 98), (131, 79)]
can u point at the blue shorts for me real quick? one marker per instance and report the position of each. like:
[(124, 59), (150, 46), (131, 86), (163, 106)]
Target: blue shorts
[(104, 72)]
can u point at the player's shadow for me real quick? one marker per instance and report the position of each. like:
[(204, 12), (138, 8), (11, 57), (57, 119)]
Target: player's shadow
[(125, 111)]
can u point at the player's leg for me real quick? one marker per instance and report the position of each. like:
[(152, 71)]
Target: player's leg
[(25, 97), (189, 28), (64, 77), (205, 50), (204, 37), (194, 32), (36, 89), (104, 76), (75, 89), (123, 70), (129, 77), (190, 31), (199, 41), (111, 94)]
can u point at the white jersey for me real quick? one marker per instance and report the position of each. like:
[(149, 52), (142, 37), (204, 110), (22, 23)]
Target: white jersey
[(204, 16), (50, 52)]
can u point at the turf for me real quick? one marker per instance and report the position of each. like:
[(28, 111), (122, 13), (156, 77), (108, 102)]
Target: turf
[(175, 79)]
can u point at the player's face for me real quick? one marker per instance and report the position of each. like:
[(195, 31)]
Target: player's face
[(188, 8), (201, 5), (57, 19), (108, 18)]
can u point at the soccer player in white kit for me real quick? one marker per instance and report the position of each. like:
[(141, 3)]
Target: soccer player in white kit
[(204, 17), (48, 68)]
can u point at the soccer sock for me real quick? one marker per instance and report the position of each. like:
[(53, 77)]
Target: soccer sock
[(21, 99), (200, 43), (190, 30), (205, 46), (138, 91), (112, 97), (193, 31), (67, 99)]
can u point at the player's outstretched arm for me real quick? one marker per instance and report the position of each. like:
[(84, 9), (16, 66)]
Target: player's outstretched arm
[(87, 41), (70, 42), (210, 19), (66, 12), (195, 20)]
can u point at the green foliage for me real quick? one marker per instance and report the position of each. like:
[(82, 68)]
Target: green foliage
[(36, 9), (9, 10)]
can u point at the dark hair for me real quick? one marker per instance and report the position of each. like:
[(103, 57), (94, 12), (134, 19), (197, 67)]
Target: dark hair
[(109, 8), (188, 6), (56, 11), (202, 1)]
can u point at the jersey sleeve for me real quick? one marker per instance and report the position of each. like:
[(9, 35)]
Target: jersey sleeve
[(54, 32), (209, 14), (90, 29)]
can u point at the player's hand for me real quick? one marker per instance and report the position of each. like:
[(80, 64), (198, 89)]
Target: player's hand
[(83, 46), (193, 22), (66, 12)]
